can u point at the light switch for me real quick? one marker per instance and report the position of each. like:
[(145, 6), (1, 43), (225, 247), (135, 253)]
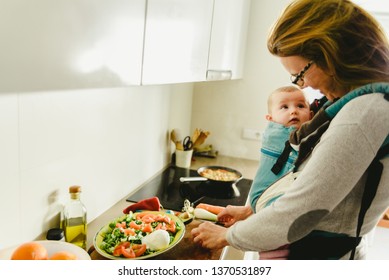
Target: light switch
[(252, 134)]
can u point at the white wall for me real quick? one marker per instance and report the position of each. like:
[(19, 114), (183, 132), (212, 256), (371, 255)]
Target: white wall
[(109, 141), (225, 108)]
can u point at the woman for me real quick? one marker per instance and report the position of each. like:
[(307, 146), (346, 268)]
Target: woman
[(336, 47)]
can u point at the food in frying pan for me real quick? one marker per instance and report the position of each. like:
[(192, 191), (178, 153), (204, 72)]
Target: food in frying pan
[(219, 174)]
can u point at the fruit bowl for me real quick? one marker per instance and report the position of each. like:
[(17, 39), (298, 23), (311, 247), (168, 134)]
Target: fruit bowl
[(52, 248)]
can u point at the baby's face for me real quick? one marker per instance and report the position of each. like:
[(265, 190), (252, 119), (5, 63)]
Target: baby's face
[(289, 109)]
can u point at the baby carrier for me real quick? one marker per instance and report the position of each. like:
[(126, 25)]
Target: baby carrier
[(323, 245)]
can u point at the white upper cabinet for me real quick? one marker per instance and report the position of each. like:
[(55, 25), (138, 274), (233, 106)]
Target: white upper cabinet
[(228, 40), (177, 38), (75, 44), (194, 40), (68, 44)]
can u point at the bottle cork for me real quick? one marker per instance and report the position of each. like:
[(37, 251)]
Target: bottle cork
[(74, 189)]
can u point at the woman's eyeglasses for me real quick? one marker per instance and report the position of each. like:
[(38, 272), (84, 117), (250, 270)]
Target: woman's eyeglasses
[(298, 79)]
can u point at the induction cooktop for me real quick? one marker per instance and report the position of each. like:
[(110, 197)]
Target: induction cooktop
[(172, 192)]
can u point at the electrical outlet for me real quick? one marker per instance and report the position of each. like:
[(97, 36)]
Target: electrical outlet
[(251, 134)]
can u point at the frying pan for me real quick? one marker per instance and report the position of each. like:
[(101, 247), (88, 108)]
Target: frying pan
[(203, 176)]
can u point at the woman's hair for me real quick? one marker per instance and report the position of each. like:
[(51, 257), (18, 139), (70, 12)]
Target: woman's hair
[(340, 37)]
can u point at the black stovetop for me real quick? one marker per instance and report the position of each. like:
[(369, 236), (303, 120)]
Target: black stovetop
[(172, 193)]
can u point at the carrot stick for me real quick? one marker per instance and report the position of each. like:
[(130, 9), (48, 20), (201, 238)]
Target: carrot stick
[(211, 208)]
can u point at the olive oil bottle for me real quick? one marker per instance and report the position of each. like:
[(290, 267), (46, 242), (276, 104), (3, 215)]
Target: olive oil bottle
[(74, 219)]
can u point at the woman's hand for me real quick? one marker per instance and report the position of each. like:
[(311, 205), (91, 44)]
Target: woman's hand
[(210, 235), (231, 214)]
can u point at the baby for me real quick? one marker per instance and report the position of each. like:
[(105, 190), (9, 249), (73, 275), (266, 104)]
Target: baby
[(288, 109)]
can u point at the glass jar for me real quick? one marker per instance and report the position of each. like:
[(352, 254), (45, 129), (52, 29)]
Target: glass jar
[(74, 219)]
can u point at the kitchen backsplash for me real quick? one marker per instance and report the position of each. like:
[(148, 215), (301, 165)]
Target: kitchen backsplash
[(108, 141)]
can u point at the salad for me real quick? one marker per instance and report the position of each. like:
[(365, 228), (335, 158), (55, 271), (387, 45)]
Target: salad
[(139, 234)]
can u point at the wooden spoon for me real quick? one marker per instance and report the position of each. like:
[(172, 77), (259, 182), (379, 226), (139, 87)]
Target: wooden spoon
[(176, 141)]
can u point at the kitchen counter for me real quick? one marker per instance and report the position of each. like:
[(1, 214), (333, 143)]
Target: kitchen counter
[(246, 167)]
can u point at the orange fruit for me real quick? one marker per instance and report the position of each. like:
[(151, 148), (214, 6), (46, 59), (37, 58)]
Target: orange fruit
[(30, 251), (63, 255)]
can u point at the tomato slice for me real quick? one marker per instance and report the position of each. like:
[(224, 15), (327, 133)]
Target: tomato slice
[(128, 252), (148, 218), (117, 252), (139, 249), (139, 215), (147, 228), (121, 225), (171, 226), (129, 231), (126, 244), (167, 220), (162, 218), (134, 225)]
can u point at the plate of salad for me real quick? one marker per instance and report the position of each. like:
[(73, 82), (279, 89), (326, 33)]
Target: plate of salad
[(139, 235)]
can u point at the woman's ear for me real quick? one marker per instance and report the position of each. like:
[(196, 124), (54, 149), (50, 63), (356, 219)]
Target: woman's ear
[(311, 115), (268, 117)]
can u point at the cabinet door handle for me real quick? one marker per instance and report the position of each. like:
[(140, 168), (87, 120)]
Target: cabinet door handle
[(218, 75)]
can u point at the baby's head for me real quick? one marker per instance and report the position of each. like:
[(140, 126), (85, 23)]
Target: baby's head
[(288, 106)]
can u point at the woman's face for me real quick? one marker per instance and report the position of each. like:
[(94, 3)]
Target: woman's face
[(314, 77)]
